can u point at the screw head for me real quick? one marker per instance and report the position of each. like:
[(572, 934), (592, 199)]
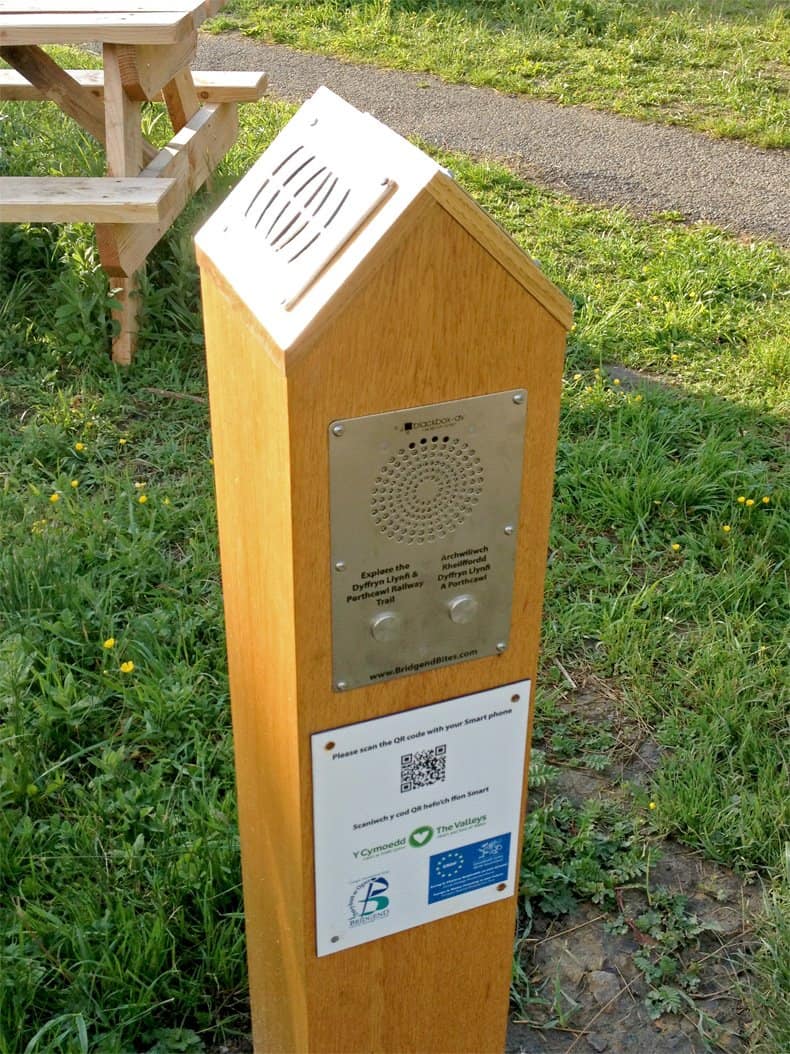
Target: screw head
[(509, 529), (340, 565), (338, 429), (341, 686), (518, 398), (501, 646)]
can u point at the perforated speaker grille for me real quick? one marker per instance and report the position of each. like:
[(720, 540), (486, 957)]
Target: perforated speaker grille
[(426, 490), (301, 208)]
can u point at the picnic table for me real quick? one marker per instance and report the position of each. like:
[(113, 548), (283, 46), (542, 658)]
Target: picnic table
[(147, 50)]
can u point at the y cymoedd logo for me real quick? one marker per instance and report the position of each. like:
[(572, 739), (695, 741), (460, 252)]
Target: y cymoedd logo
[(369, 901)]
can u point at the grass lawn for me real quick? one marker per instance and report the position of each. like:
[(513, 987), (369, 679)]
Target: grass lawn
[(120, 900), (719, 66)]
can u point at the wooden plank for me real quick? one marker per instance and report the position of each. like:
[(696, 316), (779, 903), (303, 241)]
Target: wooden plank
[(189, 159), (180, 99), (131, 28), (147, 68), (211, 85), (123, 138), (94, 7), (230, 86), (126, 291), (56, 86), (101, 199), (14, 87)]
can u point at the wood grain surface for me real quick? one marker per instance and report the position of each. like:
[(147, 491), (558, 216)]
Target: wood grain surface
[(440, 319)]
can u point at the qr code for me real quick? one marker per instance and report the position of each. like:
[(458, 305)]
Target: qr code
[(423, 768)]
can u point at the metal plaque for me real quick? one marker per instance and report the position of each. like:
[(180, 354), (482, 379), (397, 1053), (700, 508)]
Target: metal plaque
[(424, 507)]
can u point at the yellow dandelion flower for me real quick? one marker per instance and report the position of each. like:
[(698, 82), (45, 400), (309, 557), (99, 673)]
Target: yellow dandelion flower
[(675, 358), (577, 376), (726, 528), (122, 441), (127, 667), (143, 499), (109, 643), (676, 547), (638, 398), (74, 484), (616, 380), (765, 500), (588, 388), (741, 499), (652, 805), (79, 447), (166, 501), (749, 502), (54, 497)]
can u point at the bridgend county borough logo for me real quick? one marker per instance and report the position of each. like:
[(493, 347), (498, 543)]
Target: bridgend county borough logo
[(369, 901)]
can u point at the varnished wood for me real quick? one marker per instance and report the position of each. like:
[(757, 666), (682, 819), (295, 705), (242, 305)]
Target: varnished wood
[(491, 236), (442, 312), (249, 406)]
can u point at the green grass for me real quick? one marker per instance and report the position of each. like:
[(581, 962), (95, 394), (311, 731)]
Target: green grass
[(121, 912), (719, 67)]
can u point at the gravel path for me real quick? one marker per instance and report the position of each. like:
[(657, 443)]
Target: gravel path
[(592, 156)]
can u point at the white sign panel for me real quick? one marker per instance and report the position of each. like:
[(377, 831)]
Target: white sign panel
[(416, 815)]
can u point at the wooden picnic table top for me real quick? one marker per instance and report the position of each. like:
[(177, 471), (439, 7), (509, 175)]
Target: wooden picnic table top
[(106, 21)]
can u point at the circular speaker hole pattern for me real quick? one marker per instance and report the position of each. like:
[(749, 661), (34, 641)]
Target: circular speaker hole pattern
[(426, 490)]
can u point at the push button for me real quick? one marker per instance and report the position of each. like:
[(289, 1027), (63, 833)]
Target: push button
[(386, 626), (463, 608)]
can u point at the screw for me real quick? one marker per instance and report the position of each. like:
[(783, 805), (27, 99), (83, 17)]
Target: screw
[(337, 430), (501, 646), (335, 940), (509, 529), (314, 122), (341, 686), (518, 398), (340, 565)]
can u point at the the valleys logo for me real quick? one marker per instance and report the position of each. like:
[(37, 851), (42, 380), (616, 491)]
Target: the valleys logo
[(420, 836)]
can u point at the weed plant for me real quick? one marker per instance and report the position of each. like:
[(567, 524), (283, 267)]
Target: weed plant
[(720, 67), (121, 905)]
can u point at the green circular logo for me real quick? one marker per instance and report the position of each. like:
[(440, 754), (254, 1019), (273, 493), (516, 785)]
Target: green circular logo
[(420, 836)]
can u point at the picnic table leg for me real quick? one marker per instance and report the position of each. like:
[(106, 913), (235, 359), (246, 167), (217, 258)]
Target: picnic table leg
[(124, 146)]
